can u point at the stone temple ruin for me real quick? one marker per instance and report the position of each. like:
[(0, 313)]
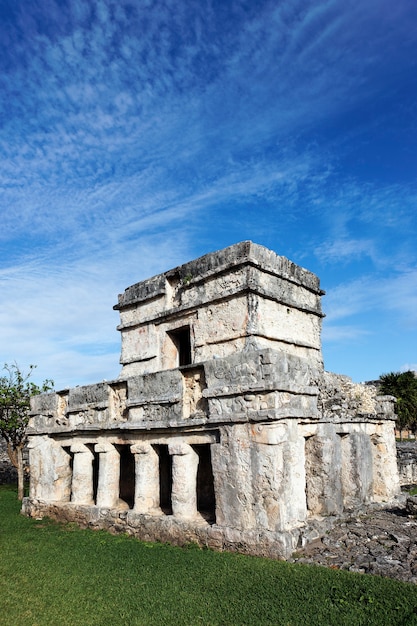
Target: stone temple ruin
[(223, 427)]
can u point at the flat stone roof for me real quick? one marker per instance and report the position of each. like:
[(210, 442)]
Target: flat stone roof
[(221, 261)]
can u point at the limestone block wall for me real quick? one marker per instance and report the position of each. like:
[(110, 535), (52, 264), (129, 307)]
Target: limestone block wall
[(407, 462), (243, 295)]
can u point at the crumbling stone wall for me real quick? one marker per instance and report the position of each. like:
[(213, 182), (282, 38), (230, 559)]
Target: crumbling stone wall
[(407, 462)]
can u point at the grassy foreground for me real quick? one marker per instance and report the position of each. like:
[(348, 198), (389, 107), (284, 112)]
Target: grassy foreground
[(61, 575)]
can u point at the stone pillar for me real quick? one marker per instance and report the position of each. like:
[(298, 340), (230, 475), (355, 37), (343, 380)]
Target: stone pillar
[(295, 509), (108, 475), (357, 469), (184, 480), (146, 478), (386, 482), (323, 473), (50, 472), (279, 482), (82, 474), (233, 478), (34, 462), (41, 468)]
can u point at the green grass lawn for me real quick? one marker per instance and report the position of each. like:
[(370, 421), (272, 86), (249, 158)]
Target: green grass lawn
[(61, 575)]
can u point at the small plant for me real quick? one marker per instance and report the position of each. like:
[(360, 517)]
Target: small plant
[(187, 279)]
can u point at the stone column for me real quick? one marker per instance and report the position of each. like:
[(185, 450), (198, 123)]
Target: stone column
[(184, 480), (82, 474), (108, 475), (386, 482), (50, 472), (323, 473), (146, 478), (41, 468), (294, 509), (357, 469)]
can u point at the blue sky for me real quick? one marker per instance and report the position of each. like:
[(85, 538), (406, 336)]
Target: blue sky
[(138, 135)]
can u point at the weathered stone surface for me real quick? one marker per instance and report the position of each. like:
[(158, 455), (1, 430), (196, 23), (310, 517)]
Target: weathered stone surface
[(223, 427), (243, 295), (411, 505), (407, 462), (378, 541)]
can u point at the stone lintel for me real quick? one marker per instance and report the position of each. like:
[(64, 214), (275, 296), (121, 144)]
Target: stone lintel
[(367, 418), (180, 425), (253, 416), (272, 386), (154, 401), (99, 406)]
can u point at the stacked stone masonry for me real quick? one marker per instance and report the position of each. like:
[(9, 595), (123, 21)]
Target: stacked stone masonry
[(407, 462), (223, 427)]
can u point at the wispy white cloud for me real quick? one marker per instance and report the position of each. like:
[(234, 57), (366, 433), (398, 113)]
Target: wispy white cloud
[(342, 333), (349, 249), (134, 133), (368, 222), (396, 293)]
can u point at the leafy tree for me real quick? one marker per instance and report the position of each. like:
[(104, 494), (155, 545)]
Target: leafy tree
[(15, 393), (402, 385)]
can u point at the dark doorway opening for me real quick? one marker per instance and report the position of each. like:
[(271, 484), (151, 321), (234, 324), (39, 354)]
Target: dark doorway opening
[(206, 499), (91, 447), (70, 454), (68, 478), (127, 475), (165, 478), (181, 338)]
